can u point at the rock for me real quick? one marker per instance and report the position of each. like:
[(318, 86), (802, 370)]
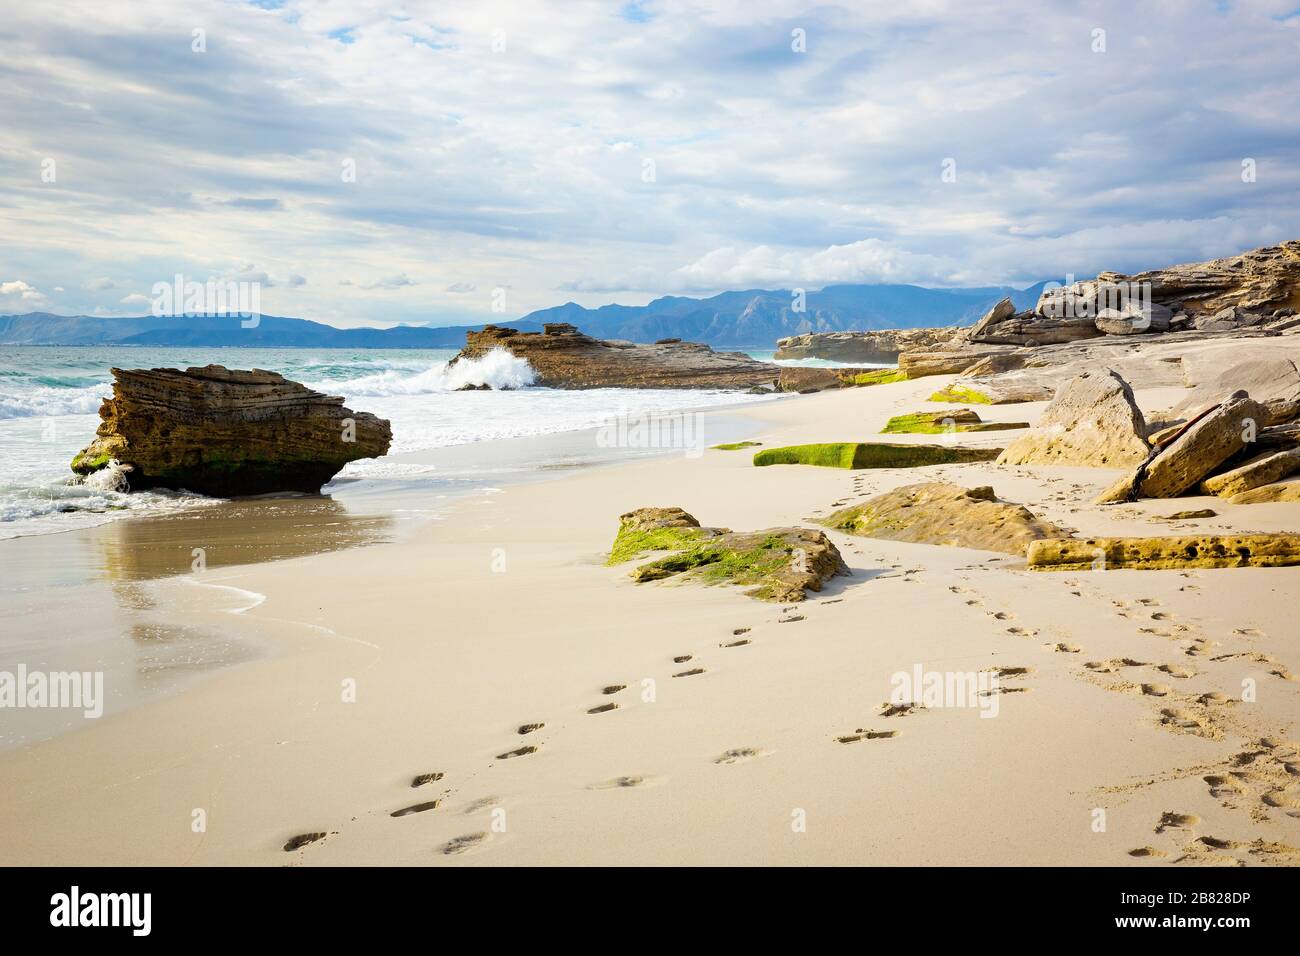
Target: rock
[(225, 432), (1274, 382), (1131, 320), (1147, 554), (666, 341), (1093, 421), (945, 514), (946, 362), (966, 391), (562, 357), (471, 387), (873, 455), (1257, 281), (797, 378), (944, 422), (993, 364), (1004, 310), (870, 347), (1031, 328), (1200, 447), (1185, 515), (1282, 491), (780, 564), (1261, 470)]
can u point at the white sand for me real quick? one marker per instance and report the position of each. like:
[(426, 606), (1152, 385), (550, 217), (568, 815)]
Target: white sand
[(449, 656)]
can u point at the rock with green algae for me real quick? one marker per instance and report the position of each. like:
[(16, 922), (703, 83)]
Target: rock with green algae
[(735, 445), (959, 394), (778, 564), (944, 422), (1164, 553), (873, 455), (945, 514)]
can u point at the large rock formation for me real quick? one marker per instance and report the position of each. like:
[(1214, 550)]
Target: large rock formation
[(948, 361), (945, 514), (1092, 421), (1272, 381), (563, 357), (1261, 470), (1153, 554), (871, 347), (777, 564), (1192, 452), (1260, 281), (225, 432)]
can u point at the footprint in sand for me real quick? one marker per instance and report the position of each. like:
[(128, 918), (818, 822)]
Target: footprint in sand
[(1064, 648), (529, 728), (1158, 632), (602, 708), (690, 673), (303, 839), (463, 844), (612, 688), (416, 808), (426, 778), (739, 631), (517, 752), (1161, 616), (1009, 671), (1176, 821), (482, 803), (1001, 616), (1248, 632), (1112, 665), (791, 619), (1147, 851), (619, 783), (865, 734), (681, 658), (1023, 631), (1156, 690), (899, 710), (740, 755), (740, 643), (1179, 718)]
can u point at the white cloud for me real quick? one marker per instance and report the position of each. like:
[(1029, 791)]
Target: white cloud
[(23, 291)]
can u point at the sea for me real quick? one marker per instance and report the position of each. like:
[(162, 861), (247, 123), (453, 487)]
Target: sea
[(50, 396)]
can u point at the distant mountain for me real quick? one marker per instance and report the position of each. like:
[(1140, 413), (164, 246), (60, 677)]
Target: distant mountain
[(756, 318), (752, 319), (43, 328)]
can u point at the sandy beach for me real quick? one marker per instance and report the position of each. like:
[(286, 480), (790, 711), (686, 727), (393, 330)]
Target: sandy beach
[(1120, 733)]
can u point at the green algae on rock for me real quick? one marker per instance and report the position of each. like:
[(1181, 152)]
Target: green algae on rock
[(780, 564), (873, 455), (945, 514), (960, 395), (944, 422), (735, 445)]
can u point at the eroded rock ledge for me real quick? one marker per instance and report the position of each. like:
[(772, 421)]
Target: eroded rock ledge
[(226, 432)]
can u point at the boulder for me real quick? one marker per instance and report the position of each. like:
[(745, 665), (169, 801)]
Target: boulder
[(777, 564), (1151, 554), (946, 362), (1031, 328), (1093, 421), (944, 422), (1131, 320), (1196, 451), (1260, 470), (226, 432), (798, 378), (563, 357), (993, 391), (945, 514), (1004, 310), (995, 364), (872, 347), (1282, 491), (1274, 382), (873, 455)]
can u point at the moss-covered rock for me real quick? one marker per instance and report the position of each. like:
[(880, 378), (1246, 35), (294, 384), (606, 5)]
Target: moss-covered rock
[(961, 395), (881, 376), (736, 445), (873, 455), (1147, 554), (944, 422), (780, 564), (945, 514)]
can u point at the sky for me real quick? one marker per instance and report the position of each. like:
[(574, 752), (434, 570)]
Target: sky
[(369, 162)]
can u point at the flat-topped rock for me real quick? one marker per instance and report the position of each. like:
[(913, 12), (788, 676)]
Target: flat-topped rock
[(226, 432), (1261, 470), (1093, 421), (563, 357), (877, 347), (945, 514), (1164, 553)]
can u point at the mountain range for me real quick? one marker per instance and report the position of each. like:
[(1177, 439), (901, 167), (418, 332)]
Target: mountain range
[(749, 319)]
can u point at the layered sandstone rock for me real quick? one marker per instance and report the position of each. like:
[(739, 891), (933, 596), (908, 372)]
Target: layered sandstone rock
[(225, 432), (1261, 470), (872, 347), (563, 357), (1273, 381), (1193, 551), (948, 361), (1260, 281), (946, 514), (777, 564), (1092, 421)]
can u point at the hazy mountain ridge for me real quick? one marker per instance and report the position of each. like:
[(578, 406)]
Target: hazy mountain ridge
[(753, 318)]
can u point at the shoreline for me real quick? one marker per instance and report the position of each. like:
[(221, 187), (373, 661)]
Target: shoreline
[(447, 657)]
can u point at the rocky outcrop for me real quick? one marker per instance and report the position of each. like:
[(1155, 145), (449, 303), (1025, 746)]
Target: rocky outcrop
[(870, 347), (1282, 491), (1260, 470), (1093, 421), (225, 432), (777, 564), (873, 455), (563, 357), (1260, 281), (947, 361), (994, 391), (1153, 554), (1192, 453), (945, 514), (1272, 381), (799, 378)]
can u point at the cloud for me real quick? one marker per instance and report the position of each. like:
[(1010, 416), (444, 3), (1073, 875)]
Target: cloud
[(296, 281), (23, 291), (523, 166), (136, 298)]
